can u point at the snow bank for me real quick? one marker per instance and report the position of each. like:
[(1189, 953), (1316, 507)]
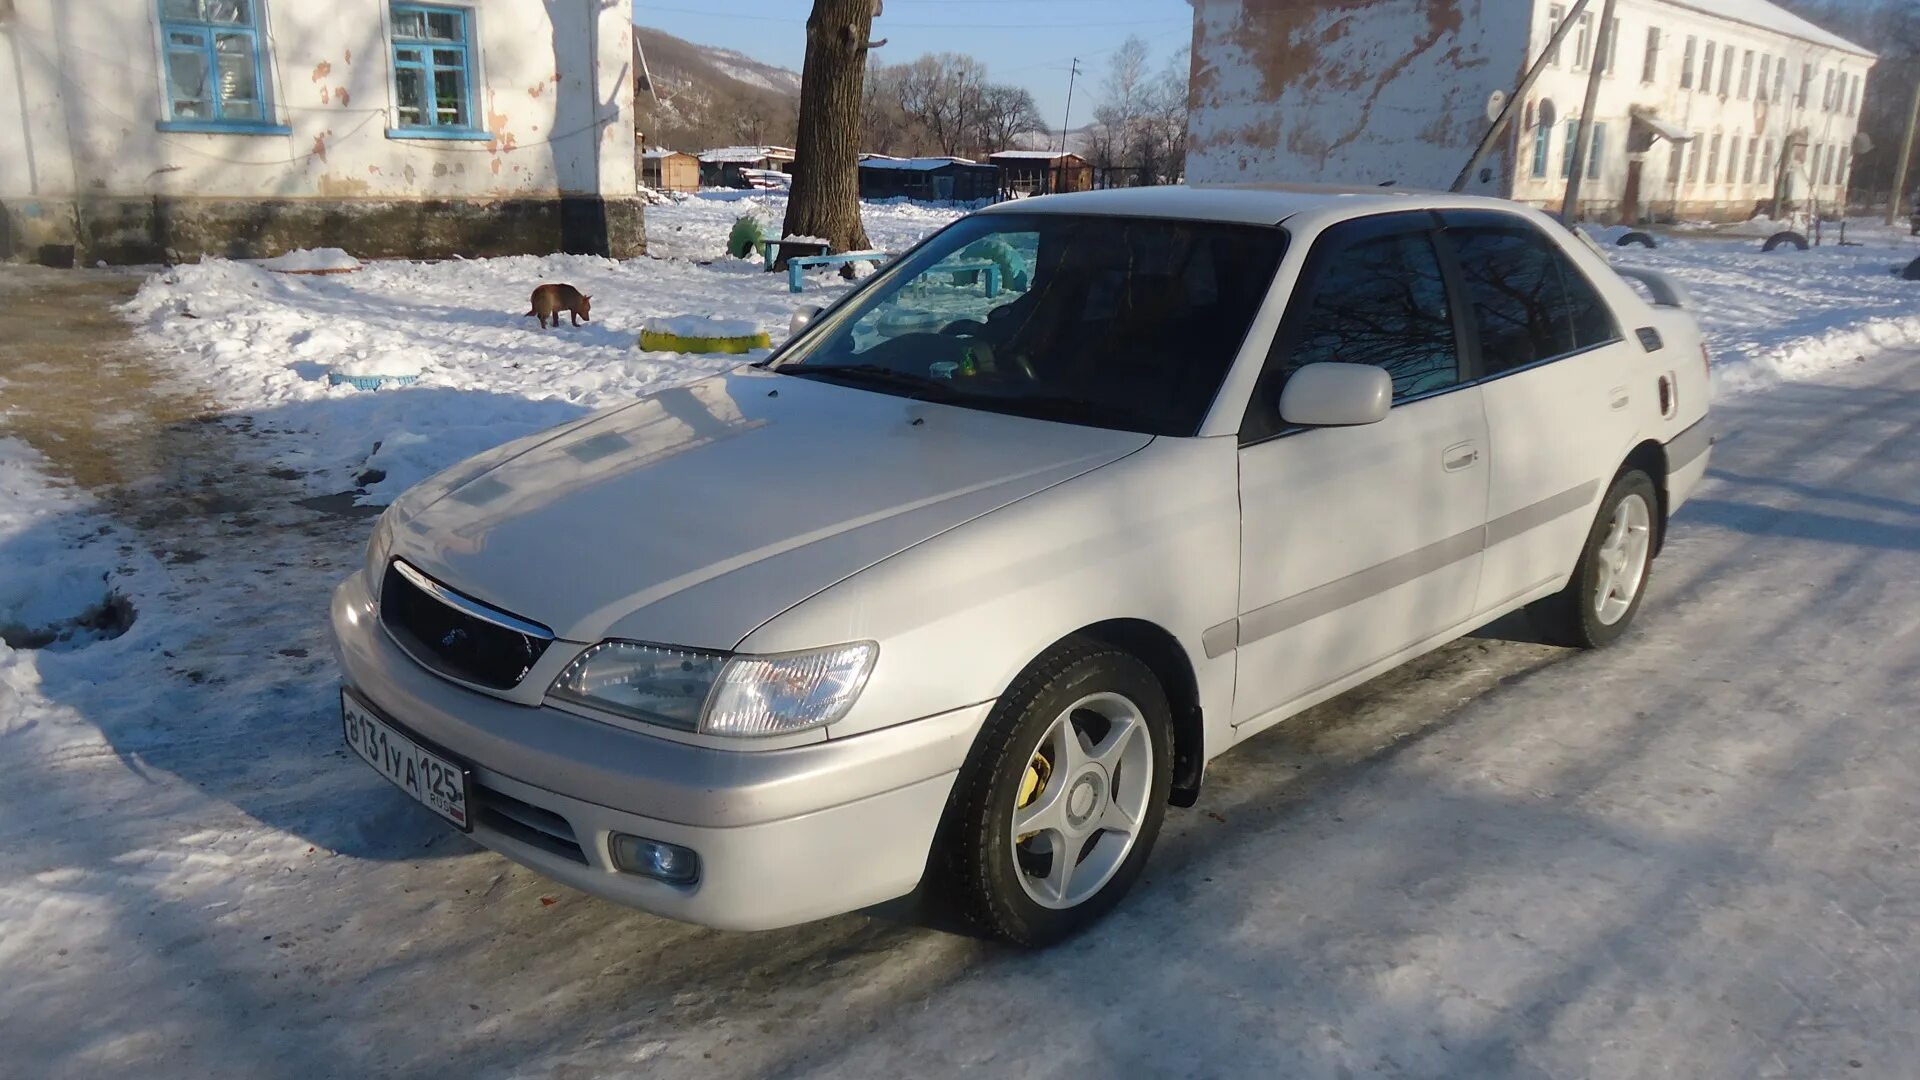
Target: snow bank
[(311, 261), (700, 326)]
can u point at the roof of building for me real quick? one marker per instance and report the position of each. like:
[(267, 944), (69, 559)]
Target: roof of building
[(1770, 16), (662, 152), (1033, 155), (1251, 204), (743, 154), (925, 164)]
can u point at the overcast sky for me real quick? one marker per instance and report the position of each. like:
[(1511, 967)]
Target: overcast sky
[(1027, 42)]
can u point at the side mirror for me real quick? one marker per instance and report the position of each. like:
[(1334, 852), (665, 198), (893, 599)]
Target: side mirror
[(800, 320), (1336, 395)]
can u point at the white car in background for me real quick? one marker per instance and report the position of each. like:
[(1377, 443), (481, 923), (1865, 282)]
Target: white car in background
[(965, 585)]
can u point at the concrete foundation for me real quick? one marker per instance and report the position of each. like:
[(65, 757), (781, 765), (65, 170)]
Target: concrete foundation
[(118, 230)]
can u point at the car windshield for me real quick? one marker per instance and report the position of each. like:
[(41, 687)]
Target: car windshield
[(1115, 322)]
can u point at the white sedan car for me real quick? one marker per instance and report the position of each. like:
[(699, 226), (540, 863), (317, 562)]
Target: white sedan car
[(967, 583)]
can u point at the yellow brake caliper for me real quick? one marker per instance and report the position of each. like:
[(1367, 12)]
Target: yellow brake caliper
[(1032, 783)]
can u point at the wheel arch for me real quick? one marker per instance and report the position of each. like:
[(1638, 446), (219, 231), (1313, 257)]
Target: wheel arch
[(1650, 457), (1163, 654)]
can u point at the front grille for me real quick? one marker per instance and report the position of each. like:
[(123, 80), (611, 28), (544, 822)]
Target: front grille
[(456, 635), (526, 823)]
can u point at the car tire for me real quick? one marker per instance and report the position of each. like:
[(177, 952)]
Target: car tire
[(1003, 883), (1644, 240), (1785, 239), (1610, 581)]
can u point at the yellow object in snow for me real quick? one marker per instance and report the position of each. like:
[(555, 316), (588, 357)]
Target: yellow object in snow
[(655, 341)]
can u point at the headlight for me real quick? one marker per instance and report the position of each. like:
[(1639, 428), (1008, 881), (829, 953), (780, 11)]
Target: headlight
[(378, 549), (718, 695)]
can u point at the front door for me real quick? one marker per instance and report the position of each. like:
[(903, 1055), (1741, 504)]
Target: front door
[(1630, 201), (1358, 542)]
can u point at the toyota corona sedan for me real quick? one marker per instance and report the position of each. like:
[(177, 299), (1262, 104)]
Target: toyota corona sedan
[(961, 588)]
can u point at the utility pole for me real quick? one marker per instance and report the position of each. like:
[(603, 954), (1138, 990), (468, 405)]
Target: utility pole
[(1066, 121), (1583, 141), (1906, 159), (1519, 95)]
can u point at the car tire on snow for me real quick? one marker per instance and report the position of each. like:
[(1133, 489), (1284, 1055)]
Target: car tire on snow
[(1779, 239), (1610, 581), (1640, 238), (1026, 796)]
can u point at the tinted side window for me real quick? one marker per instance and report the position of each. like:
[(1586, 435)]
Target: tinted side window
[(1380, 301), (1529, 302)]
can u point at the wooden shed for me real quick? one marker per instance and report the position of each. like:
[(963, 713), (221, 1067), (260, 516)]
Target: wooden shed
[(670, 170), (1042, 172), (932, 179)]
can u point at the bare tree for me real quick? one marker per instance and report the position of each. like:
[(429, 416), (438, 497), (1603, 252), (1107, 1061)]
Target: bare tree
[(1113, 138), (826, 167), (945, 93), (1007, 112), (885, 126)]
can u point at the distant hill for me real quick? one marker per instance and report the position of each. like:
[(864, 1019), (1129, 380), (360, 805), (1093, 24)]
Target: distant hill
[(709, 96)]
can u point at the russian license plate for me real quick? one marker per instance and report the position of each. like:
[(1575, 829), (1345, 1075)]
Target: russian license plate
[(441, 785)]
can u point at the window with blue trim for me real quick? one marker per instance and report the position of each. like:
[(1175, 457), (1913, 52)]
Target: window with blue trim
[(1542, 146), (433, 69), (215, 75)]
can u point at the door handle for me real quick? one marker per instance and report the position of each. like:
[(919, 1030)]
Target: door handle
[(1619, 394), (1459, 456)]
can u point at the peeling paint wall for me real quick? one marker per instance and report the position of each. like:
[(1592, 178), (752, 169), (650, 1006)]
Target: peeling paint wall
[(1347, 91), (84, 98)]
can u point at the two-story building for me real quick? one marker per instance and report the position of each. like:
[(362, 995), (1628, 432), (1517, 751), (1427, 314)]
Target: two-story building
[(1706, 108), (143, 130)]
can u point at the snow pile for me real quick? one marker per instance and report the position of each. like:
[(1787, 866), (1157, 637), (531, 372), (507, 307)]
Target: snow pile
[(381, 365), (311, 261), (700, 326), (57, 584)]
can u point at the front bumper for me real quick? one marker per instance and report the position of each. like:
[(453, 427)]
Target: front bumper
[(784, 836)]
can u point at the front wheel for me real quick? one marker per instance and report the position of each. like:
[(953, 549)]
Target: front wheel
[(1058, 807), (1611, 579)]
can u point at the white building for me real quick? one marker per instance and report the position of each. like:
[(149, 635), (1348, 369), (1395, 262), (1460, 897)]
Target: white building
[(139, 130), (1707, 108)]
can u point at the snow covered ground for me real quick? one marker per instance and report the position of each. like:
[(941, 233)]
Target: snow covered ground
[(1686, 855)]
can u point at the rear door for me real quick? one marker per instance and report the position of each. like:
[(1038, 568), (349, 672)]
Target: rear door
[(1357, 542), (1558, 383)]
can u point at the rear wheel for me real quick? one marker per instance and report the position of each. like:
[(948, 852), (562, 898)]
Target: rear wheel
[(1057, 809), (1600, 602)]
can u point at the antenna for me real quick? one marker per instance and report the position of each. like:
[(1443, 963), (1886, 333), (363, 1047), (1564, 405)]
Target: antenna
[(1066, 122)]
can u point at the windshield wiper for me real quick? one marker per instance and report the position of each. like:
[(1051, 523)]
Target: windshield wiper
[(874, 375)]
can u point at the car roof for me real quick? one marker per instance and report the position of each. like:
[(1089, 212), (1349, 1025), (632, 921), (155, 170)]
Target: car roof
[(1252, 204)]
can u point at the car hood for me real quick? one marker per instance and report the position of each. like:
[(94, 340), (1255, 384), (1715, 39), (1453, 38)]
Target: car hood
[(694, 515)]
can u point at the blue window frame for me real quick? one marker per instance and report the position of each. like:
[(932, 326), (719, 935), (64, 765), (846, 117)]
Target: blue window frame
[(433, 73), (215, 71), (1542, 146)]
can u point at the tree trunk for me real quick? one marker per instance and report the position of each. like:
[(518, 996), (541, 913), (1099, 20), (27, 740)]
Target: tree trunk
[(825, 201)]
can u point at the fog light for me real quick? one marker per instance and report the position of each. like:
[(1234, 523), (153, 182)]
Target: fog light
[(670, 863)]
